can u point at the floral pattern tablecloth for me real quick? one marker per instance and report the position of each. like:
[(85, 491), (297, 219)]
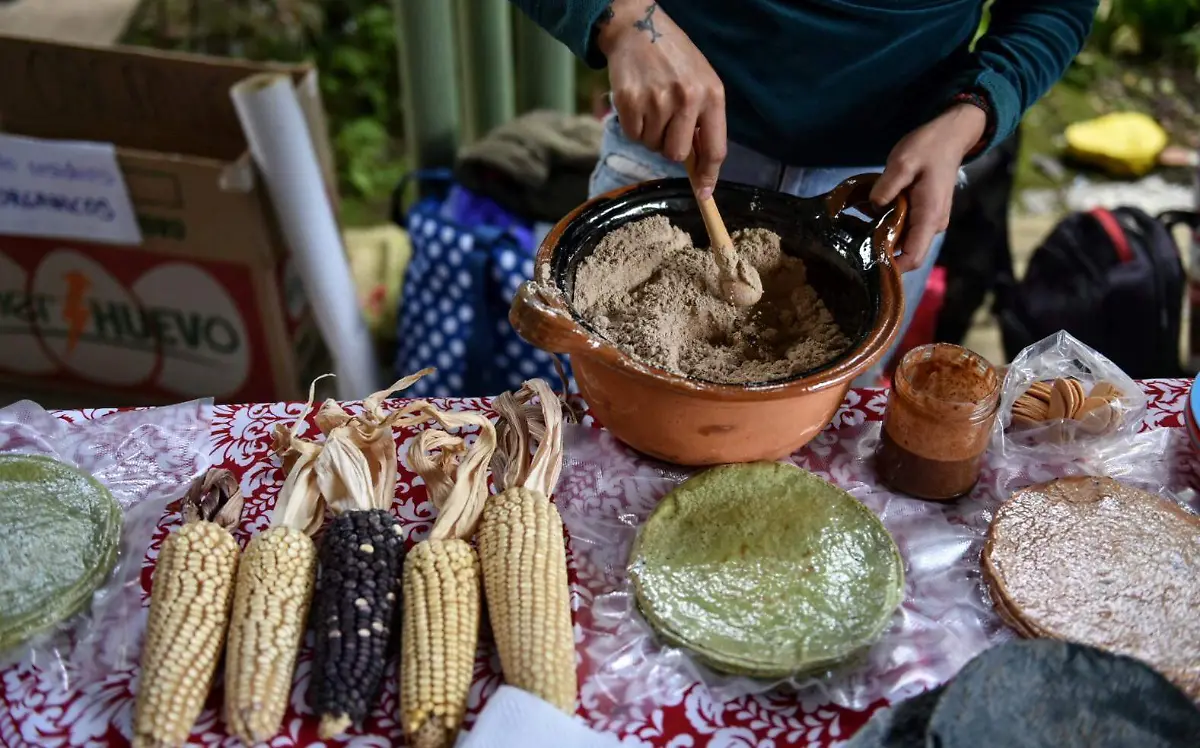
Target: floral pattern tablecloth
[(36, 711)]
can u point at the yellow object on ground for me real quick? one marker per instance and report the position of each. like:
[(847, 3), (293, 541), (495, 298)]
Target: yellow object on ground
[(378, 260), (1124, 144)]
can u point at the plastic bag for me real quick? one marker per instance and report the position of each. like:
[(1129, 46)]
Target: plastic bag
[(1063, 448), (146, 458), (607, 491)]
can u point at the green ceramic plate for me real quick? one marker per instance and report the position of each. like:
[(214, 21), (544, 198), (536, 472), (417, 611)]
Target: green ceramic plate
[(59, 533), (766, 570)]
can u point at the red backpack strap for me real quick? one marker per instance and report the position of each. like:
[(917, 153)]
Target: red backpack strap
[(1116, 234)]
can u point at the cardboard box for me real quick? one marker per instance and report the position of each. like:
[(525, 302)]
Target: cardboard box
[(207, 303)]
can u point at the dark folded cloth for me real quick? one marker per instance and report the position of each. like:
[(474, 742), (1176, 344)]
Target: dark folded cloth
[(536, 166)]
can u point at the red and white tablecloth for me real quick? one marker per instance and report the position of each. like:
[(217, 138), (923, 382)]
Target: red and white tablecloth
[(36, 711)]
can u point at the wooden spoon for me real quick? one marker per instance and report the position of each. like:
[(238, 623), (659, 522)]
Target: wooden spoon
[(740, 284)]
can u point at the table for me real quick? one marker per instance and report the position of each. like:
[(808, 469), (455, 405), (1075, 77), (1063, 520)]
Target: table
[(38, 713)]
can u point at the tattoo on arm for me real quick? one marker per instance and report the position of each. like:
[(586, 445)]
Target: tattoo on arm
[(647, 23)]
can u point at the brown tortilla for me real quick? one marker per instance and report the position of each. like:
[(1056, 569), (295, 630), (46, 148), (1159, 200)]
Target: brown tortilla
[(1093, 561)]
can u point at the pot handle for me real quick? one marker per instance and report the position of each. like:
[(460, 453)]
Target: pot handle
[(855, 192), (545, 322)]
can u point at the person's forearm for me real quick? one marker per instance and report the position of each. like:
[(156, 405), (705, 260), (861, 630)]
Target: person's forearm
[(642, 20), (571, 22), (1027, 48)]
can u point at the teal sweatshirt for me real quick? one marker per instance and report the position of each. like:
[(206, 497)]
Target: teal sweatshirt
[(839, 82)]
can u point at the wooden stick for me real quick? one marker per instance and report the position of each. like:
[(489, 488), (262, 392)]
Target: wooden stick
[(739, 280)]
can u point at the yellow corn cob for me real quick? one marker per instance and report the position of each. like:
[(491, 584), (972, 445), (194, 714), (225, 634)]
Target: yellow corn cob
[(528, 597), (270, 610), (189, 613), (440, 631)]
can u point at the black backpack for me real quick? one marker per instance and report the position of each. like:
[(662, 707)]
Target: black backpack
[(1114, 280)]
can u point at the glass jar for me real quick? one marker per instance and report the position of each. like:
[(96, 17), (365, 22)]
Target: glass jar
[(938, 421)]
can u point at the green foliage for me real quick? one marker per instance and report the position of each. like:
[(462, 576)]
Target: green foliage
[(366, 158), (1190, 41), (356, 54), (1148, 28), (352, 43)]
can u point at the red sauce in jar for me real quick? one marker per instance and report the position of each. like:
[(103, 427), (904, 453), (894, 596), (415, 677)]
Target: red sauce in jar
[(939, 418)]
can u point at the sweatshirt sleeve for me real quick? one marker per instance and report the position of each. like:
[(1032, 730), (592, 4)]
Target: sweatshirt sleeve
[(570, 22), (1026, 49)]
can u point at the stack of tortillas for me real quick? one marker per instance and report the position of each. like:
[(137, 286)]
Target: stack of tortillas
[(1094, 561), (59, 534), (1060, 400), (766, 570)]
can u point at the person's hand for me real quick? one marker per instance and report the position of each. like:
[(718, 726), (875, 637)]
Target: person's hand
[(664, 90), (925, 164)]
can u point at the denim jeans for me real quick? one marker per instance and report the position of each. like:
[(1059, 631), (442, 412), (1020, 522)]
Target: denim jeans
[(623, 162)]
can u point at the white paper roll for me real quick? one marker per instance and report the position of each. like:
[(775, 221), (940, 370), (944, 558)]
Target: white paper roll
[(279, 140)]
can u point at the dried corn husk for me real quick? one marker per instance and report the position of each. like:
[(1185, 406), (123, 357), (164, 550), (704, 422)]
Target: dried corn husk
[(441, 578), (522, 555), (299, 505), (356, 472), (214, 497), (509, 467), (434, 454), (357, 467), (522, 423)]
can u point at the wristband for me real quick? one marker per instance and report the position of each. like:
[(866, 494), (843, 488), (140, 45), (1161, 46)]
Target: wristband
[(978, 99)]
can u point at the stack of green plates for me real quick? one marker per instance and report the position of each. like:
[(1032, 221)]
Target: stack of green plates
[(766, 570), (59, 534)]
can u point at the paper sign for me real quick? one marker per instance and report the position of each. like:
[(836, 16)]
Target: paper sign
[(64, 189)]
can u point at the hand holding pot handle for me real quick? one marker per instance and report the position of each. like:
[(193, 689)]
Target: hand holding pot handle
[(855, 192)]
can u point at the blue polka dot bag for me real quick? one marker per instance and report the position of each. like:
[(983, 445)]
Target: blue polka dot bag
[(459, 285)]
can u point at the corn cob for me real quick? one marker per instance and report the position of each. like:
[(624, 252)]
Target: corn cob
[(189, 613), (442, 585), (522, 551), (270, 607), (274, 587), (529, 603), (440, 631), (361, 557)]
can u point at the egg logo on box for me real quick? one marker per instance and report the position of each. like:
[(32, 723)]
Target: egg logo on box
[(176, 327), (20, 351)]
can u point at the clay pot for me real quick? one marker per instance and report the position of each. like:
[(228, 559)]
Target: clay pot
[(692, 422)]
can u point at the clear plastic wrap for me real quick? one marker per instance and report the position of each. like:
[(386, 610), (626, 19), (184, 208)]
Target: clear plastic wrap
[(1021, 457), (607, 491), (146, 458)]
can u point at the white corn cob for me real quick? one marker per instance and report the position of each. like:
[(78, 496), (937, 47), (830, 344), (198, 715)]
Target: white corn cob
[(528, 596), (189, 614), (270, 613)]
